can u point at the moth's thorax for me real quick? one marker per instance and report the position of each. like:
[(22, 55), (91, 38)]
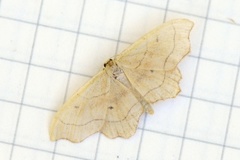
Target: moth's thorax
[(109, 63), (113, 69)]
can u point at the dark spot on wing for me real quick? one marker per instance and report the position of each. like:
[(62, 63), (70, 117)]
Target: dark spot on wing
[(110, 107)]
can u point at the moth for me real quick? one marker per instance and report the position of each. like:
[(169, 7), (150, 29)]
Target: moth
[(127, 86)]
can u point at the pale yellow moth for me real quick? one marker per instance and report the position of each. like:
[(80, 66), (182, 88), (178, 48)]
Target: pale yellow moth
[(114, 99)]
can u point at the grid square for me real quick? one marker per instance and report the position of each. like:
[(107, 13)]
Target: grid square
[(50, 93), (154, 3), (219, 46), (207, 121), (159, 147), (33, 129), (59, 157), (5, 151), (200, 151), (188, 71), (231, 154), (30, 154), (26, 10), (120, 148), (169, 116), (8, 121), (233, 137), (196, 34), (16, 40), (237, 94), (54, 48), (63, 14), (102, 18), (225, 10), (215, 81), (12, 80), (86, 149), (197, 7), (139, 20), (91, 54)]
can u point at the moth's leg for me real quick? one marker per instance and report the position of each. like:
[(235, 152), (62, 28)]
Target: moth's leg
[(147, 107)]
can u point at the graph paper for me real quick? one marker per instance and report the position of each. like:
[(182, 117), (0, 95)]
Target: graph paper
[(50, 48)]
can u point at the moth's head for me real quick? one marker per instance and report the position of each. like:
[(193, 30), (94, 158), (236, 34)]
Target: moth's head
[(109, 63)]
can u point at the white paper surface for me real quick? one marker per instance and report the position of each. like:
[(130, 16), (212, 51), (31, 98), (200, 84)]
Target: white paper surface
[(48, 49)]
